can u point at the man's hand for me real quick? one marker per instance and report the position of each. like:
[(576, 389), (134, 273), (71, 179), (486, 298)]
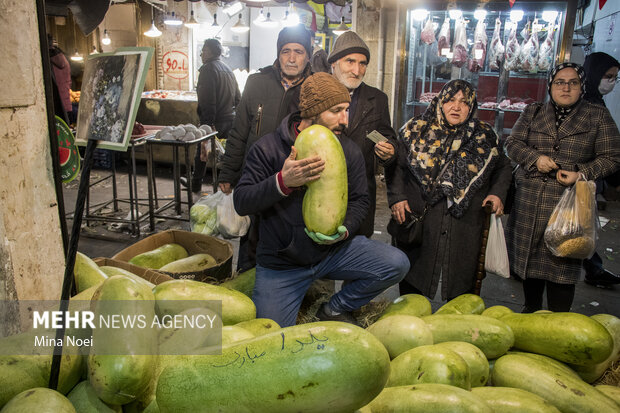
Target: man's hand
[(399, 209), (496, 203), (544, 164), (322, 239), (384, 150), (226, 187), (567, 178), (297, 173)]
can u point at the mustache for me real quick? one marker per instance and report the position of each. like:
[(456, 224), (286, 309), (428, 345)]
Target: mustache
[(339, 128)]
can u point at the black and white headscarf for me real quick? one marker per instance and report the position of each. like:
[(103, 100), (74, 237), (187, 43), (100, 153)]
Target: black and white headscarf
[(561, 112), (471, 147)]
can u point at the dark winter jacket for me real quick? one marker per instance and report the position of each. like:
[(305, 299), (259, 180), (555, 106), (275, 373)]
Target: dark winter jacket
[(62, 74), (595, 66), (218, 93), (282, 242), (587, 141), (371, 113), (263, 105)]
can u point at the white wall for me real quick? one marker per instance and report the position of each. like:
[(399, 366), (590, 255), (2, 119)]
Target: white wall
[(263, 40)]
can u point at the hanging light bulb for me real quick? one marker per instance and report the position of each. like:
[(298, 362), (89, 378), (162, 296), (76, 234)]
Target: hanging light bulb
[(419, 14), (268, 22), (106, 38), (240, 27), (172, 20), (516, 15), (192, 23), (549, 15), (215, 23), (261, 18), (153, 31), (342, 27), (77, 57), (480, 14), (291, 18)]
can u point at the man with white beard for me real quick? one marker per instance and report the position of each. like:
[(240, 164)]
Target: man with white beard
[(368, 112)]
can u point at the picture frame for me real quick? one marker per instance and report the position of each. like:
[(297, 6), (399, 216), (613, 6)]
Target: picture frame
[(112, 87)]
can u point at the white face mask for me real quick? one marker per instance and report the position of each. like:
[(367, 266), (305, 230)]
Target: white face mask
[(606, 86)]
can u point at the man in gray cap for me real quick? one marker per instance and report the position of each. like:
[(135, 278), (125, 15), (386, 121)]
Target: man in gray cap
[(368, 112), (268, 97)]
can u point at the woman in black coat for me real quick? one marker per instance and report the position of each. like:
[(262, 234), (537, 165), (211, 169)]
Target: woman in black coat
[(601, 77), (446, 142), (554, 143)]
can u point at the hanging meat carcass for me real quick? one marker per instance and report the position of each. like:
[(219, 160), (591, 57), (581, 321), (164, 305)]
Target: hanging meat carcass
[(428, 33), (479, 49), (512, 49), (496, 49), (443, 39), (528, 58), (459, 57), (545, 53)]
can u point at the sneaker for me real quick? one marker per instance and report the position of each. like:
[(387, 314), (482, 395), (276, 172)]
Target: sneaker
[(602, 277), (325, 313), (196, 186)]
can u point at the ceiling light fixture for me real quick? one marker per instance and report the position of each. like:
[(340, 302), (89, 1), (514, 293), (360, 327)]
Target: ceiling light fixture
[(239, 27), (77, 57), (419, 14), (549, 15), (480, 14), (260, 18), (153, 31), (342, 27), (233, 9), (172, 20), (215, 24), (516, 15), (106, 38), (192, 23)]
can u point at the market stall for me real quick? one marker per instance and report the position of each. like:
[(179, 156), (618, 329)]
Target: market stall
[(504, 52)]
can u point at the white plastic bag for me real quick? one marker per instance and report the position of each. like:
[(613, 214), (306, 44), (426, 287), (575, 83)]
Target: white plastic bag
[(203, 214), (229, 223), (496, 259)]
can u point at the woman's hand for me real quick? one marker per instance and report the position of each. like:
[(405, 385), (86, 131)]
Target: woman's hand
[(496, 203), (544, 164), (398, 211), (566, 178), (384, 150)]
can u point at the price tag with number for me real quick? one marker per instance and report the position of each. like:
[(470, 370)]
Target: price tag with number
[(175, 64)]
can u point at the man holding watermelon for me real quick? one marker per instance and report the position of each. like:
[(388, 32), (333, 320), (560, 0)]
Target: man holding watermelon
[(289, 255)]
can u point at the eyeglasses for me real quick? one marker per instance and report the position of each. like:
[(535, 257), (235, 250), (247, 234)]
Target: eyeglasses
[(572, 84), (611, 79)]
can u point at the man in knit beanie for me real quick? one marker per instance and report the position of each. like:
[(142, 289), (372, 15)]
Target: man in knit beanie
[(368, 112), (269, 96), (289, 257)]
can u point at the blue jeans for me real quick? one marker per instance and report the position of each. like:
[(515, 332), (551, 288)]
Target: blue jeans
[(370, 266)]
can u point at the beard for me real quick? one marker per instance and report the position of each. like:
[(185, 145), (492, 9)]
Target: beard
[(348, 80)]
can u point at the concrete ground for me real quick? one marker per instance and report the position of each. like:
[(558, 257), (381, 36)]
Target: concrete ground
[(104, 239)]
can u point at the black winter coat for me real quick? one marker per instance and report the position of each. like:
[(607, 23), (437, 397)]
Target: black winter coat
[(371, 113), (282, 242), (450, 246), (218, 93), (263, 105)]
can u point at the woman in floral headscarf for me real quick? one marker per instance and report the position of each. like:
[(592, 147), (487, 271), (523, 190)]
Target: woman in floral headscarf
[(446, 142), (554, 143)]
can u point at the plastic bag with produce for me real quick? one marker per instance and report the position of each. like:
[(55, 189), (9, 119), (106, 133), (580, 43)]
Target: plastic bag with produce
[(203, 214)]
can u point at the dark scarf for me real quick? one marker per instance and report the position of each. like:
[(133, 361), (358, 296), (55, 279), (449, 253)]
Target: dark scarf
[(562, 112), (595, 66), (471, 147)]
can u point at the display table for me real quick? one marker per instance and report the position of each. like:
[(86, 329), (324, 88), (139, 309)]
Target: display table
[(155, 211), (94, 212)]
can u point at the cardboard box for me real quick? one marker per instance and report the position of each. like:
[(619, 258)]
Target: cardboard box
[(149, 275), (194, 243)]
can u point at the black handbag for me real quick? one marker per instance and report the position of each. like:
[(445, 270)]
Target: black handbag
[(409, 232)]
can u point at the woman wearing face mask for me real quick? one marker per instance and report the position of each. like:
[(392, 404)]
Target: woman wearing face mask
[(554, 143), (601, 77), (450, 164)]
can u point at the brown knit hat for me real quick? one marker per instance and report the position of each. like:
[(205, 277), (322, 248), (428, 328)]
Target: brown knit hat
[(320, 92)]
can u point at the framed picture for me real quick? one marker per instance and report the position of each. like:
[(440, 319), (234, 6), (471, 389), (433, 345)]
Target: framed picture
[(111, 89)]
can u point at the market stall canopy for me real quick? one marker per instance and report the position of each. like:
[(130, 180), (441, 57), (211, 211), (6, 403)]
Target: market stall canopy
[(88, 14)]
